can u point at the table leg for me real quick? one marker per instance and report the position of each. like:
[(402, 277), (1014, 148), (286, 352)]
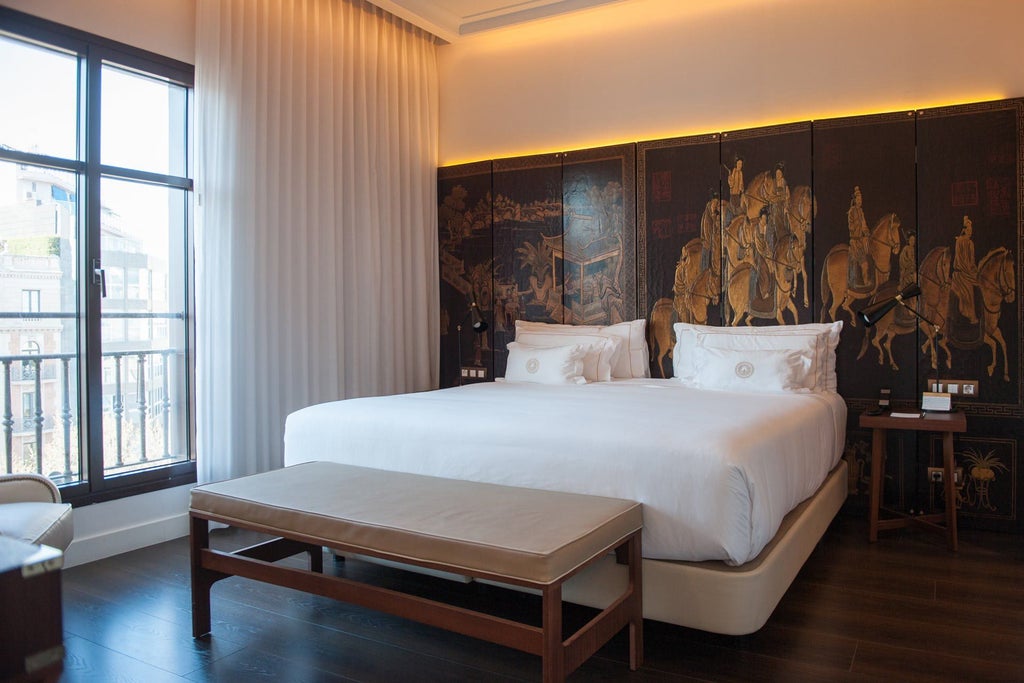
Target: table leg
[(948, 467), (877, 467), (202, 579)]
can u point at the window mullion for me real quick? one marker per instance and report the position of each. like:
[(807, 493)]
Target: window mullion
[(91, 303)]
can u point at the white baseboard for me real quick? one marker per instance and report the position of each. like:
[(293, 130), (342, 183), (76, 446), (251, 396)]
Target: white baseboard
[(101, 530)]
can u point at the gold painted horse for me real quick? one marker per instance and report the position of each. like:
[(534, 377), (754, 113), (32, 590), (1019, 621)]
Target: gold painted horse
[(883, 244), (738, 243), (997, 281), (659, 331), (932, 304), (935, 284), (783, 266), (802, 209)]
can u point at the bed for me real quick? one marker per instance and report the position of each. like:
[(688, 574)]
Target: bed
[(737, 487)]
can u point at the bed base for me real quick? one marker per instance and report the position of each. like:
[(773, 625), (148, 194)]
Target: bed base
[(713, 596)]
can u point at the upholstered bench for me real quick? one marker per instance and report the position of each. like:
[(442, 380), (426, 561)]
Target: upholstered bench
[(517, 536)]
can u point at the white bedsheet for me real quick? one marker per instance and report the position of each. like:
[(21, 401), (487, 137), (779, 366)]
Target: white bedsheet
[(715, 471)]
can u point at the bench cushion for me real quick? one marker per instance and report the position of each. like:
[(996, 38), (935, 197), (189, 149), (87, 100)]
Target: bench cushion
[(509, 532)]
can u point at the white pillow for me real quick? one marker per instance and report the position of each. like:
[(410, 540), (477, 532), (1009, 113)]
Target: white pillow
[(601, 349), (762, 370), (806, 344), (826, 339), (545, 365), (632, 361)]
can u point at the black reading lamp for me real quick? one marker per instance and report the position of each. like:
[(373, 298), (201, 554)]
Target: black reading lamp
[(479, 326), (878, 310)]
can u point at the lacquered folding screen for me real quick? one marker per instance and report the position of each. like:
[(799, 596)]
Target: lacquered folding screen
[(599, 235), (465, 242), (766, 227), (549, 237), (969, 204), (805, 222), (864, 250), (679, 237), (527, 235)]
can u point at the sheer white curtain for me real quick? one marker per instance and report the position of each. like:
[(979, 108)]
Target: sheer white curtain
[(316, 274)]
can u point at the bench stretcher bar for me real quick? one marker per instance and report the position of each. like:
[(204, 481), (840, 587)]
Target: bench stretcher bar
[(558, 658)]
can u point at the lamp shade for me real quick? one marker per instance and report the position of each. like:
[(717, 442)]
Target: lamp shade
[(876, 311), (479, 324)]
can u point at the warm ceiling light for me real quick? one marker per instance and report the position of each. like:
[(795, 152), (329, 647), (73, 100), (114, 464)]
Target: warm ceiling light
[(610, 139)]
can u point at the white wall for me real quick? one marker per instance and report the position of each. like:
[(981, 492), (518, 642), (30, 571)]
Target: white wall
[(106, 529), (649, 69), (166, 27)]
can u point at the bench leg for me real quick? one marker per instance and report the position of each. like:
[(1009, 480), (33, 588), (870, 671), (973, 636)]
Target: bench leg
[(553, 655), (202, 579), (636, 622), (316, 559)]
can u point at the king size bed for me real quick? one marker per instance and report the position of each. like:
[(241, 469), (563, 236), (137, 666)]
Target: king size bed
[(737, 485)]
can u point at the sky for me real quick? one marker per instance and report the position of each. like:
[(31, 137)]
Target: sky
[(38, 114)]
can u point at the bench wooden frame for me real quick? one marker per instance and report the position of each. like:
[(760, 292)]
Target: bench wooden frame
[(559, 657)]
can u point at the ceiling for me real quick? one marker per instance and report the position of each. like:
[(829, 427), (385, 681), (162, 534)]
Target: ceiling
[(453, 19)]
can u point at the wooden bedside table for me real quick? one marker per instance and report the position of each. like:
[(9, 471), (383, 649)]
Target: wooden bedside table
[(945, 423)]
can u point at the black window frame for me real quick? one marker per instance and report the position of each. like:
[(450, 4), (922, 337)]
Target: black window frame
[(93, 52)]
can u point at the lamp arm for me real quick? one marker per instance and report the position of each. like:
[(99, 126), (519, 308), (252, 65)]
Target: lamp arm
[(458, 344), (479, 326)]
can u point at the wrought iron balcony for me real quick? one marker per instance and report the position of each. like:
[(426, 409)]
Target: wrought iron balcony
[(137, 419)]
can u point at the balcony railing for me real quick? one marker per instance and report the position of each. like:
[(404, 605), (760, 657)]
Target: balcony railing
[(50, 381)]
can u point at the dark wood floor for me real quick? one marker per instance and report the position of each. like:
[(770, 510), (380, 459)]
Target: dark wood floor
[(904, 609)]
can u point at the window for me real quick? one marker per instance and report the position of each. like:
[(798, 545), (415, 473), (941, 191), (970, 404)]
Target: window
[(30, 300), (115, 283), (29, 455), (28, 409), (95, 210)]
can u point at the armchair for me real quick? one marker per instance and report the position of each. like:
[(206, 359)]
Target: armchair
[(31, 510)]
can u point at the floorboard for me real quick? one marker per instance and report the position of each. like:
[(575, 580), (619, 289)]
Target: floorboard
[(904, 608)]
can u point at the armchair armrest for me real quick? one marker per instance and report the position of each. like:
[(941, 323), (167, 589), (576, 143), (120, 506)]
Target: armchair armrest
[(27, 488)]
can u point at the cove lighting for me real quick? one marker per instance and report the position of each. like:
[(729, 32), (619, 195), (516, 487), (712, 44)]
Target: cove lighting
[(616, 138)]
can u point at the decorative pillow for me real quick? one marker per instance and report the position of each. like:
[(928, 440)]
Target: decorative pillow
[(601, 349), (762, 370), (545, 365), (825, 338), (806, 344), (632, 360)]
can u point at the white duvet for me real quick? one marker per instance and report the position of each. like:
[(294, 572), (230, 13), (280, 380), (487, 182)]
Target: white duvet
[(715, 471)]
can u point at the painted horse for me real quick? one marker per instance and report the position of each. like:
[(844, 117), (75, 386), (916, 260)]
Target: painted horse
[(835, 285)]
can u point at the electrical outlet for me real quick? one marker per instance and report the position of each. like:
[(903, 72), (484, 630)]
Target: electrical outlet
[(473, 372), (954, 387), (936, 475)]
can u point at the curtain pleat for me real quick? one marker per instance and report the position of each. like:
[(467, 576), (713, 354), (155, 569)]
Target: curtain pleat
[(316, 257)]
